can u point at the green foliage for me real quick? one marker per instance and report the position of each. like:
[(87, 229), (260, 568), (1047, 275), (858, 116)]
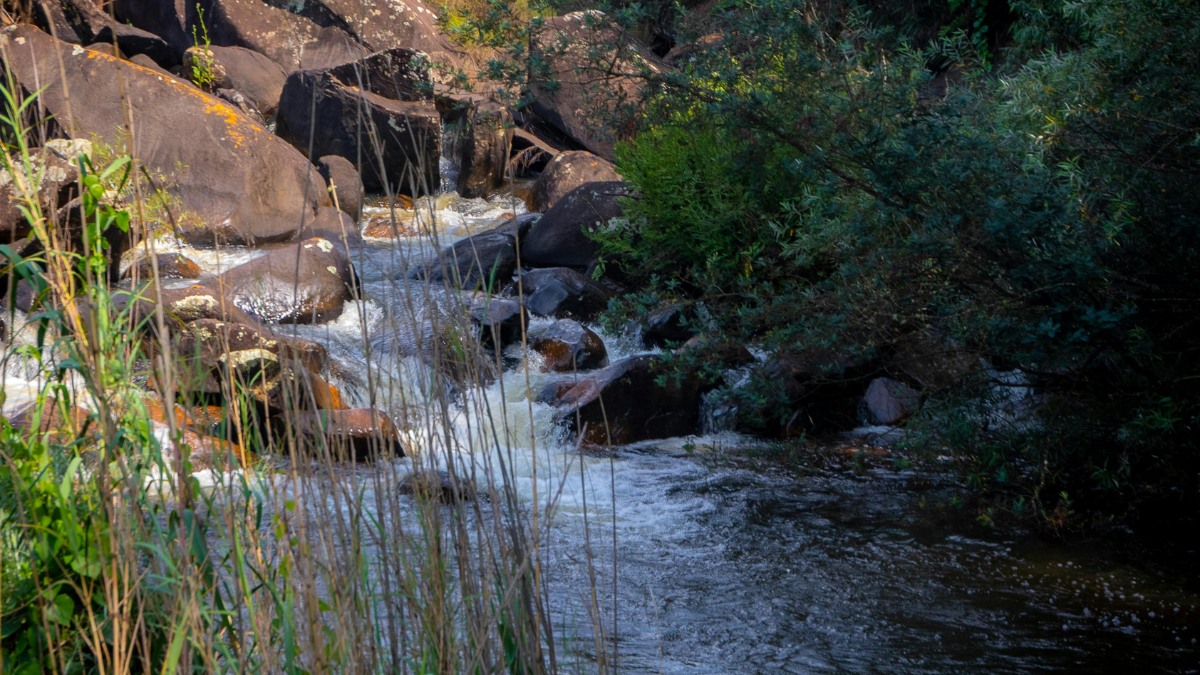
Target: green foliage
[(820, 192), (202, 64)]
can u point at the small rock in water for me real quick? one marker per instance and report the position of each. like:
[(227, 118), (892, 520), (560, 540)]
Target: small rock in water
[(889, 402), (562, 291), (439, 486), (567, 346), (361, 434), (170, 266)]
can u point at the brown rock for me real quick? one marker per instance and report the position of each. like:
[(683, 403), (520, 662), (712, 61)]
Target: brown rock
[(361, 434), (242, 184), (56, 185), (567, 346), (635, 407), (566, 172), (62, 427), (342, 179), (590, 60), (486, 130), (438, 486), (170, 266), (303, 283), (486, 260), (255, 76)]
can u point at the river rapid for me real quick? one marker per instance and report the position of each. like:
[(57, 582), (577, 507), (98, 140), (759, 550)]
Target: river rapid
[(708, 557)]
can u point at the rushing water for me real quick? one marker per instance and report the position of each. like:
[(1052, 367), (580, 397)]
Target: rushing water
[(723, 569)]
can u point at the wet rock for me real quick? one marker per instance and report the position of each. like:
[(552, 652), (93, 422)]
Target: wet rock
[(499, 321), (180, 306), (889, 402), (342, 178), (566, 172), (438, 486), (304, 283), (590, 60), (56, 188), (291, 40), (486, 260), (486, 141), (563, 292), (558, 239), (255, 76), (361, 434), (170, 266), (206, 340), (671, 324), (336, 226), (242, 184), (628, 396), (235, 99), (328, 111), (566, 346)]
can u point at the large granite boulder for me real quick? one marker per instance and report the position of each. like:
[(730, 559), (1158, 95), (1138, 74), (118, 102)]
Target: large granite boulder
[(291, 40), (376, 112), (590, 86), (566, 172), (246, 71), (239, 184), (558, 239)]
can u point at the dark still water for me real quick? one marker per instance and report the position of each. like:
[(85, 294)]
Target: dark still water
[(726, 570)]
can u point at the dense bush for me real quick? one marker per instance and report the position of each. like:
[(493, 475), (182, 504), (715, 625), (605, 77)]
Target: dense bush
[(821, 185)]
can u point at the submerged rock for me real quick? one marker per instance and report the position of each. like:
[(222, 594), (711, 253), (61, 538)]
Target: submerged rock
[(438, 486), (170, 266)]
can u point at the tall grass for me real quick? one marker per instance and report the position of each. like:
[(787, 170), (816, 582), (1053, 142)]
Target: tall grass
[(120, 556)]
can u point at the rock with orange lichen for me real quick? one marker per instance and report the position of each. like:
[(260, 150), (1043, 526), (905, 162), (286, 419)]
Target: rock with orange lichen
[(237, 181)]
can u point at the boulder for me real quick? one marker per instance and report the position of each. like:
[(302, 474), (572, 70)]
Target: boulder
[(567, 346), (334, 225), (566, 172), (180, 306), (635, 405), (382, 24), (291, 40), (170, 266), (486, 260), (82, 22), (889, 402), (255, 76), (308, 282), (328, 112), (204, 341), (670, 324), (61, 427), (485, 141), (563, 292), (499, 321), (360, 434), (342, 178), (56, 185), (558, 238), (242, 184), (590, 84), (438, 486)]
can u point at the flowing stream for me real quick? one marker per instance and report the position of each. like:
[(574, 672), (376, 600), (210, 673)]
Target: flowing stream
[(721, 568)]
